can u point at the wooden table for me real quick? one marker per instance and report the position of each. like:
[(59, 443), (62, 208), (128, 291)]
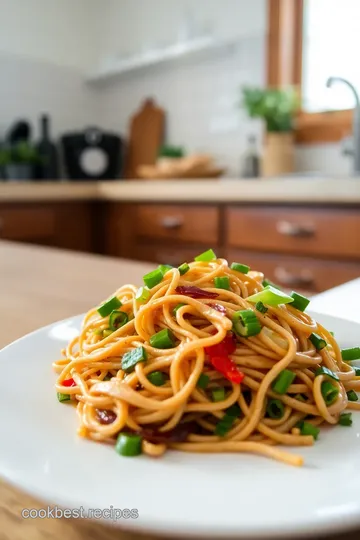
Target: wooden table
[(39, 286)]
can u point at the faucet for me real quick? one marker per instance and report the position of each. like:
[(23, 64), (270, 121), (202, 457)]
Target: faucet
[(356, 121)]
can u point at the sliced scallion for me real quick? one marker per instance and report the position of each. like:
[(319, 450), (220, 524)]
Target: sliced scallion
[(300, 302), (218, 394), (345, 419), (350, 354), (203, 381), (207, 256), (318, 342), (157, 378), (164, 339), (178, 306), (270, 296), (131, 358), (107, 307), (222, 283), (63, 397), (306, 428), (329, 392), (352, 395), (142, 295), (183, 268), (238, 267), (275, 408), (283, 381), (246, 323), (117, 319), (259, 306), (153, 278), (326, 371), (129, 444)]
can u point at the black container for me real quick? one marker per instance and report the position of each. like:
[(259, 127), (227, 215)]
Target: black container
[(48, 168)]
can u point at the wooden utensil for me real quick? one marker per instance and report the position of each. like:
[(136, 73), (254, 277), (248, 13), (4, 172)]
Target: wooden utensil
[(146, 137)]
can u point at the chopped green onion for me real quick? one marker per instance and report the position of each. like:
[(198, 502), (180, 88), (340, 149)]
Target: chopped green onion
[(234, 410), (107, 307), (107, 332), (275, 408), (357, 371), (260, 307), (300, 302), (118, 319), (142, 295), (350, 354), (332, 333), (238, 267), (177, 307), (131, 358), (224, 425), (153, 278), (246, 323), (165, 268), (218, 394), (108, 377), (267, 282), (308, 429), (329, 392), (183, 268), (270, 296), (203, 381), (207, 256), (345, 419), (222, 283), (157, 378), (128, 444), (318, 342), (63, 397), (352, 395), (283, 381), (98, 332), (164, 339), (326, 371)]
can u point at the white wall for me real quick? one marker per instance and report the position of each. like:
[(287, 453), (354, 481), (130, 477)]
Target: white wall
[(59, 31), (45, 48), (201, 99)]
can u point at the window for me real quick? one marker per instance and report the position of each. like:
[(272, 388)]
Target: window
[(309, 41), (331, 39)]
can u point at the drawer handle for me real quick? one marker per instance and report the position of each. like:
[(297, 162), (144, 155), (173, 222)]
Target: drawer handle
[(171, 222), (288, 279), (287, 228)]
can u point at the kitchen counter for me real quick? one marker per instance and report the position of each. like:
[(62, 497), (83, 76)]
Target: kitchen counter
[(35, 290), (293, 191)]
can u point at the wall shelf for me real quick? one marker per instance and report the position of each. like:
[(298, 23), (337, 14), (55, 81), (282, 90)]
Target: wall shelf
[(196, 49)]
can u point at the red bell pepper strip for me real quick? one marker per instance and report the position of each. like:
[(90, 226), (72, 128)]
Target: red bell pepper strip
[(69, 382), (195, 292), (224, 348), (228, 368)]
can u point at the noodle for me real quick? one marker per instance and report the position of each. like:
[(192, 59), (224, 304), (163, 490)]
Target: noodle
[(178, 412)]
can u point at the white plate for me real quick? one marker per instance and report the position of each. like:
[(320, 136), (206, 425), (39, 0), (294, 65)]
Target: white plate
[(223, 495)]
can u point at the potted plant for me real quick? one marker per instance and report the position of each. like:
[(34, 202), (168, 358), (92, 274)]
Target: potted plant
[(18, 162), (277, 108)]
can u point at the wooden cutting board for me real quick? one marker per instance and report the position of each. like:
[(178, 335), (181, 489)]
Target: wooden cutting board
[(146, 136)]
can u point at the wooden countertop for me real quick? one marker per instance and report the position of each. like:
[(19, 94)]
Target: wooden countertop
[(39, 286), (292, 191)]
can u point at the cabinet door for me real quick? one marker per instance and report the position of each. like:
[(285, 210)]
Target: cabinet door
[(304, 231)]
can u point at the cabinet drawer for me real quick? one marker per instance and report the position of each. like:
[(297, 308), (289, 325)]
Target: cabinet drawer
[(303, 231), (27, 224), (299, 273), (161, 254), (178, 223)]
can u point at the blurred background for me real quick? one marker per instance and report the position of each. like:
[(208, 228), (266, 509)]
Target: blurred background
[(116, 91)]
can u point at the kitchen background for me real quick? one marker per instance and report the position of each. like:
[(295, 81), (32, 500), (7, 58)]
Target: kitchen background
[(52, 51), (114, 84)]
